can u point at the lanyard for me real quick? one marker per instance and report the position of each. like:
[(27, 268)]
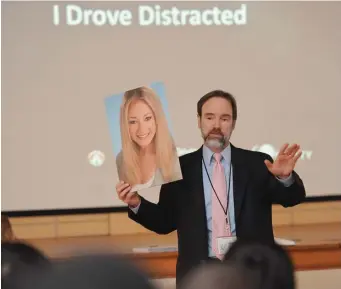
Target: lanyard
[(228, 191)]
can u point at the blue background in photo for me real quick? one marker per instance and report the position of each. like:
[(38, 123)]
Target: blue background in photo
[(113, 104)]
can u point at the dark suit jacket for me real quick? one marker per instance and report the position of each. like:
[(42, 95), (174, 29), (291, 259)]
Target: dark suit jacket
[(181, 205)]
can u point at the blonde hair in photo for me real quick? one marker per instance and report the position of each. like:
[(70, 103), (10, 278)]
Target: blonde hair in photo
[(164, 145)]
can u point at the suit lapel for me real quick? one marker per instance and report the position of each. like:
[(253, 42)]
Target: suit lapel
[(240, 179), (196, 181), (198, 207)]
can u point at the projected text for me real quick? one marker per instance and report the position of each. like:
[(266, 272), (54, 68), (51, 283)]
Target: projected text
[(75, 15)]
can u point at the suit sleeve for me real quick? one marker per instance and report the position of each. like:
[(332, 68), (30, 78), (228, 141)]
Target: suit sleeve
[(287, 196), (159, 218)]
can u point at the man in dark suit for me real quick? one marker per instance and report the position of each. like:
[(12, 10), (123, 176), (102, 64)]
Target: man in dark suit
[(225, 192)]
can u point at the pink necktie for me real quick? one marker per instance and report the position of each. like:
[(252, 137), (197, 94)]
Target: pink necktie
[(220, 228)]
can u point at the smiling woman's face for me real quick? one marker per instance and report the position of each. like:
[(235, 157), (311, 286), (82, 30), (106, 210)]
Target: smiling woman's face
[(142, 126)]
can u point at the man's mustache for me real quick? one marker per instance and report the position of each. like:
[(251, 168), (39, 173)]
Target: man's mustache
[(216, 132)]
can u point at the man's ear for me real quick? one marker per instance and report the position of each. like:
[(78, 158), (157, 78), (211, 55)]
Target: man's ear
[(233, 125), (199, 120)]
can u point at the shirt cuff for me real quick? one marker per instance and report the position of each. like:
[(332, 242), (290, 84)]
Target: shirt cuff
[(288, 181), (136, 209)]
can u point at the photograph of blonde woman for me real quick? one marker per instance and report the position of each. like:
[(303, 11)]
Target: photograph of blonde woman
[(148, 155)]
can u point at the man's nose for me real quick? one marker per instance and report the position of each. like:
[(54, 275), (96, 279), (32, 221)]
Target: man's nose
[(217, 124)]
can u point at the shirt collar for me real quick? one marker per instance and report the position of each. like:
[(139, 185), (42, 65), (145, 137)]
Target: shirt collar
[(208, 154)]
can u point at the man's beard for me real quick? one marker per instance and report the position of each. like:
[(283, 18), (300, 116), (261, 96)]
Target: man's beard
[(216, 142)]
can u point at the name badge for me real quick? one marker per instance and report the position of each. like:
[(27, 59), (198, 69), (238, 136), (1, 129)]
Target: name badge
[(224, 243)]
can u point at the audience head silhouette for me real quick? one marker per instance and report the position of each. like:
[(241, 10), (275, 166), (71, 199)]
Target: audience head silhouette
[(269, 264), (247, 265), (217, 276), (93, 272), (19, 263)]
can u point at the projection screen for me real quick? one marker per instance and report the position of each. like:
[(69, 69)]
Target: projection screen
[(60, 61)]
